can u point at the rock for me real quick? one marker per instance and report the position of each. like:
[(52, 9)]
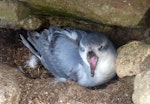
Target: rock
[(31, 23), (128, 14), (9, 89), (141, 93), (123, 13), (15, 15), (147, 35), (8, 15), (133, 58)]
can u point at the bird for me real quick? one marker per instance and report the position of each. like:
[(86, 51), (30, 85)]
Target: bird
[(83, 56)]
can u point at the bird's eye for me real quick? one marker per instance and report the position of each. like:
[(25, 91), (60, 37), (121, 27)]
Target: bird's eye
[(82, 49), (100, 47)]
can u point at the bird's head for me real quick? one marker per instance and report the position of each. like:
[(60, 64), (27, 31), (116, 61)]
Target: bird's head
[(98, 53)]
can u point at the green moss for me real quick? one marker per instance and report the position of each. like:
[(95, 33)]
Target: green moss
[(105, 13), (22, 11), (40, 8), (8, 11)]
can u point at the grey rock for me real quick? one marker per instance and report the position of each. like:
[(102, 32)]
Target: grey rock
[(30, 23), (15, 15), (128, 14), (123, 13), (132, 59), (141, 93), (8, 14), (9, 89)]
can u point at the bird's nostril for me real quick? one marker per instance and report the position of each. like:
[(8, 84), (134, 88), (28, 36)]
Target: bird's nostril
[(91, 53)]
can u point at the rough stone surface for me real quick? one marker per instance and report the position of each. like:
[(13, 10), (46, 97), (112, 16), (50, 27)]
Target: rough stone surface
[(9, 89), (8, 15), (133, 58), (141, 93), (31, 23), (8, 10), (122, 13), (15, 15), (125, 13)]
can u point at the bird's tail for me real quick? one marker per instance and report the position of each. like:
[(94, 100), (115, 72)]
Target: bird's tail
[(31, 42), (36, 42)]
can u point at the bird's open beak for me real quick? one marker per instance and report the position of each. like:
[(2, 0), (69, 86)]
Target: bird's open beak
[(92, 59)]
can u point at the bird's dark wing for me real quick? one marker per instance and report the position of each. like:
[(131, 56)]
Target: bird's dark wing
[(57, 49), (64, 53)]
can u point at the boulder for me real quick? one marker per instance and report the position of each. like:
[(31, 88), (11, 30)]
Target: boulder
[(9, 89), (125, 13), (15, 13), (133, 58), (141, 93)]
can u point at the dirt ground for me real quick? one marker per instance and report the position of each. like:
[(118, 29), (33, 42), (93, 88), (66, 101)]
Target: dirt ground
[(39, 87)]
